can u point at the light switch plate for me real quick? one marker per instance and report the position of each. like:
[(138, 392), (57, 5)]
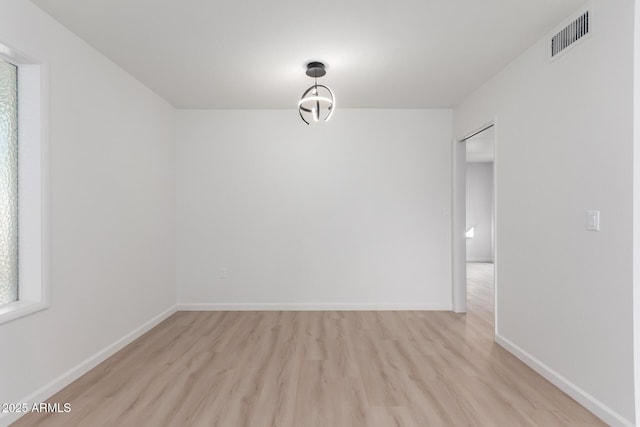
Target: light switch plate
[(593, 220)]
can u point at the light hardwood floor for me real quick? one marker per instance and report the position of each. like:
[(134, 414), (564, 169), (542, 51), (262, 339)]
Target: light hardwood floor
[(319, 369)]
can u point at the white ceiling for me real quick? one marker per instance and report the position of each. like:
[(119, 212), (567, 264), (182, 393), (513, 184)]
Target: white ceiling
[(480, 147), (252, 53)]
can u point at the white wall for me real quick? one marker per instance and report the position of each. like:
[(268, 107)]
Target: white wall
[(636, 205), (112, 208), (565, 145), (479, 206), (350, 215)]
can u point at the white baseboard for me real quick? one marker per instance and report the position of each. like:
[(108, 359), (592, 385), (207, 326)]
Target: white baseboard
[(598, 408), (312, 307), (82, 368)]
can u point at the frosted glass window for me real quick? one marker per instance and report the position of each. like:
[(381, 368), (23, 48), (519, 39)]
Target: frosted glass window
[(8, 182)]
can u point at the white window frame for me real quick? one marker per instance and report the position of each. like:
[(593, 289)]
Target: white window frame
[(33, 187)]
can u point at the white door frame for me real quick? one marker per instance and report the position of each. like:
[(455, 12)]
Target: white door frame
[(459, 222)]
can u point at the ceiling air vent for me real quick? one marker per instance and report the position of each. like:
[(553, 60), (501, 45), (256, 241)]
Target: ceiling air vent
[(577, 29)]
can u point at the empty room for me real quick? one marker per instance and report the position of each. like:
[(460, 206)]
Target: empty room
[(349, 213)]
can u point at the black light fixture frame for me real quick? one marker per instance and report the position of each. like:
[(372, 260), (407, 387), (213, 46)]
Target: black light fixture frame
[(316, 69)]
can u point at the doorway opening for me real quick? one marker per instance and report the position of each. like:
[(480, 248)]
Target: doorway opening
[(474, 230), (480, 225)]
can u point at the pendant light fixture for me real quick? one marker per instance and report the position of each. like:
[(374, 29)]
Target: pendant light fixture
[(317, 102)]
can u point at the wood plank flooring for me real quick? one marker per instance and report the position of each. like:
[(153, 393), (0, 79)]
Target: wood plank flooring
[(307, 369)]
